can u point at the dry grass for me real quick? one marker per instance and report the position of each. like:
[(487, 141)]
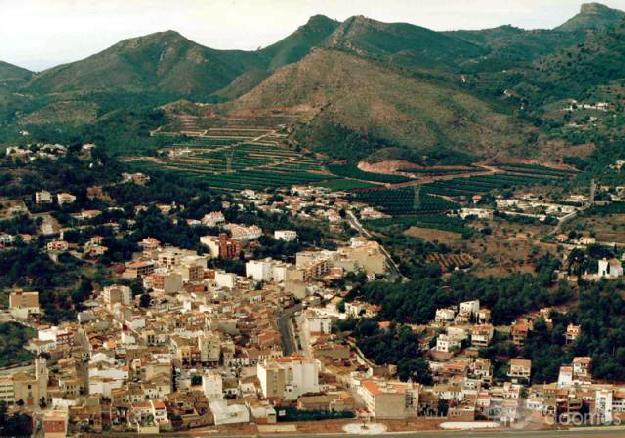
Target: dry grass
[(433, 235), (608, 228)]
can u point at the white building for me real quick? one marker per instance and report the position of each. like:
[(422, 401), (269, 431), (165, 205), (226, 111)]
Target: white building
[(318, 322), (259, 270), (480, 213), (43, 197), (117, 293), (224, 413), (241, 232), (212, 385), (447, 344), (609, 269), (224, 279), (603, 405), (444, 315), (287, 235), (65, 198), (471, 308), (288, 377)]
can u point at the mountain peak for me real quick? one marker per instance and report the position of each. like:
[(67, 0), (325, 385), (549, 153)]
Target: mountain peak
[(319, 19), (299, 43), (592, 16), (168, 35), (589, 8)]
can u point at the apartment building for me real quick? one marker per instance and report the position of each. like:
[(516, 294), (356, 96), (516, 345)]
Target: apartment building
[(390, 399), (288, 377)]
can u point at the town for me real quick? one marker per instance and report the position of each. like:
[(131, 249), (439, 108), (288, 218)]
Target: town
[(232, 338), (344, 220)]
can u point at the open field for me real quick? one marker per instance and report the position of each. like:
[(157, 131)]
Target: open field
[(605, 228), (453, 226), (508, 248), (433, 235)]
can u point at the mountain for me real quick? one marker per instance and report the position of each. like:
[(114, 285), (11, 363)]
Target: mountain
[(12, 76), (508, 46), (298, 44), (401, 43), (573, 72), (592, 16), (10, 72), (330, 90), (165, 61)]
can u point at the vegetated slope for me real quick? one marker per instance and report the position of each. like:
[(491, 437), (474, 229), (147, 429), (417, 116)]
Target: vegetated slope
[(242, 84), (165, 60), (401, 43), (592, 16), (173, 64), (10, 72), (571, 72), (332, 89), (509, 46), (297, 45)]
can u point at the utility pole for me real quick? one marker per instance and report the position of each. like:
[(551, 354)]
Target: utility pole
[(229, 159), (417, 197), (593, 189)]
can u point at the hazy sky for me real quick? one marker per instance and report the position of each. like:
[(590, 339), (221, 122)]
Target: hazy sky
[(38, 34)]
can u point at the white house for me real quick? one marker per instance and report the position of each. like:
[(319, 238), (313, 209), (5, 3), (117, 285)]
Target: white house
[(609, 269), (287, 235)]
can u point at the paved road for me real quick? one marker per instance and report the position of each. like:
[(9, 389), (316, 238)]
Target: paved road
[(566, 219), (285, 326), (390, 263)]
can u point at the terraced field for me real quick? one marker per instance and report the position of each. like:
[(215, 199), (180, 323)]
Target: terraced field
[(512, 175), (403, 201), (236, 162)]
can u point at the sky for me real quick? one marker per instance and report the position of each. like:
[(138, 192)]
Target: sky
[(38, 34)]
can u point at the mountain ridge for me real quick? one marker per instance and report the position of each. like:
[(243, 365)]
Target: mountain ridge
[(592, 16)]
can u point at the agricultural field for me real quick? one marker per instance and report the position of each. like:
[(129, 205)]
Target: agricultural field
[(441, 222), (350, 170), (338, 185), (235, 163), (448, 262), (513, 175), (404, 201), (437, 170)]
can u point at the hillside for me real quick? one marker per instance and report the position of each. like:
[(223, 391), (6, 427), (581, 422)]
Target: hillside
[(166, 61), (401, 43), (509, 46), (592, 16), (572, 72), (173, 64), (12, 76), (330, 89), (297, 45)]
